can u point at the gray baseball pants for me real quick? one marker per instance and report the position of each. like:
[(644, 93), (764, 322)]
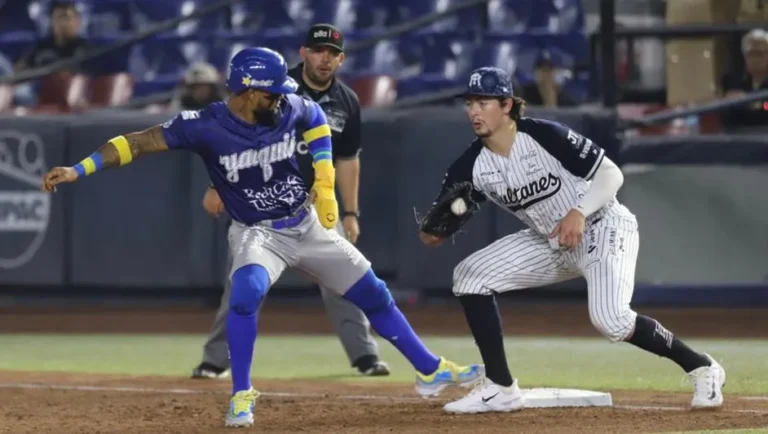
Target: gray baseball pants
[(348, 320)]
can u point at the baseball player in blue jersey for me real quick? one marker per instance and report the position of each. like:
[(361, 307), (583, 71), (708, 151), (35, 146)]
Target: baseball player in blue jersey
[(248, 146)]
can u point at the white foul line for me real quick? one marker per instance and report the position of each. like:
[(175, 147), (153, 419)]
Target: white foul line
[(314, 395)]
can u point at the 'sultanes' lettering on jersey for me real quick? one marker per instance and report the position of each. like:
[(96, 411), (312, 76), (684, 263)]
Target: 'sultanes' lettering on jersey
[(264, 157), (530, 194)]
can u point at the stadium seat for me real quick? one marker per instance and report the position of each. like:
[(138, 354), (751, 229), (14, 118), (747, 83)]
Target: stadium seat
[(110, 90), (500, 54), (149, 13), (164, 56), (448, 54), (467, 21), (62, 91), (15, 16), (223, 50), (349, 15), (374, 90), (13, 45), (251, 15), (108, 18), (382, 58)]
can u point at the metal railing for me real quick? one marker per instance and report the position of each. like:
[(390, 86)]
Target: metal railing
[(608, 35), (711, 107)]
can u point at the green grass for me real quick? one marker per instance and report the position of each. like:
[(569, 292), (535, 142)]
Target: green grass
[(583, 363)]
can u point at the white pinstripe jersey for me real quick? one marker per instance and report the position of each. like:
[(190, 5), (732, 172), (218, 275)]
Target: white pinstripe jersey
[(546, 174)]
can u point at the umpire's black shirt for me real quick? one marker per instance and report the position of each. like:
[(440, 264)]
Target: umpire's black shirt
[(342, 108)]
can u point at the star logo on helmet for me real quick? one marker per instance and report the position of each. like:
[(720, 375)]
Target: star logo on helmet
[(247, 81)]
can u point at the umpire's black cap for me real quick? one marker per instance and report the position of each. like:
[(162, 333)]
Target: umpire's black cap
[(324, 35), (489, 81)]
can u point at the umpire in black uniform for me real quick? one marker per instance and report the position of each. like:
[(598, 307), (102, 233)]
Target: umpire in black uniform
[(322, 54)]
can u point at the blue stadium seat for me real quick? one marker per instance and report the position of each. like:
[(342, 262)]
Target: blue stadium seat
[(16, 16), (550, 16), (222, 51), (347, 15), (510, 15), (502, 54), (374, 14), (107, 18), (13, 45), (149, 12), (253, 15), (383, 58), (165, 57), (469, 20), (448, 54)]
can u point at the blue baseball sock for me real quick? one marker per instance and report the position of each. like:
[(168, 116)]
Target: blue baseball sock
[(249, 285), (372, 296)]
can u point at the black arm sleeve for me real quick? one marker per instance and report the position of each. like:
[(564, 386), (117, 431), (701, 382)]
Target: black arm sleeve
[(460, 172), (578, 154)]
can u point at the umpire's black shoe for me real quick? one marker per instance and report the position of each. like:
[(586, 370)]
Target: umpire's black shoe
[(371, 366), (210, 372)]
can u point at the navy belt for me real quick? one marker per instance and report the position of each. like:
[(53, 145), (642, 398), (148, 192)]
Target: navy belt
[(288, 222)]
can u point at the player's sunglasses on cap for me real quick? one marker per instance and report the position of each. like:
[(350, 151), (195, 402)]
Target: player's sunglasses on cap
[(324, 35)]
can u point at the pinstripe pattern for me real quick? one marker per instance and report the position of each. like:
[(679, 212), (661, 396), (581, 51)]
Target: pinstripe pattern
[(534, 186), (518, 182)]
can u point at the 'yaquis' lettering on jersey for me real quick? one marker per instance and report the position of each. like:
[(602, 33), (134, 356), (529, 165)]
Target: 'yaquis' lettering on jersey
[(254, 167), (264, 157)]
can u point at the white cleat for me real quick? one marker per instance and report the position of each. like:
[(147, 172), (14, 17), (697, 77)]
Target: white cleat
[(488, 396), (708, 383)]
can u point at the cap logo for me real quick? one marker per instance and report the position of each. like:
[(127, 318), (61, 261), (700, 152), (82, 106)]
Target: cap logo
[(262, 83), (474, 79), (336, 35), (247, 81), (321, 34)]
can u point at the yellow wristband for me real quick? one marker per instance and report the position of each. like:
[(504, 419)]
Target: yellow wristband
[(123, 149)]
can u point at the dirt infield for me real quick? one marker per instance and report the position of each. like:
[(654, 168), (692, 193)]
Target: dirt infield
[(113, 405), (57, 403)]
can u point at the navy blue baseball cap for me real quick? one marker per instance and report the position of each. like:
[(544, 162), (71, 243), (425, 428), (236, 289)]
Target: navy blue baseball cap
[(489, 81)]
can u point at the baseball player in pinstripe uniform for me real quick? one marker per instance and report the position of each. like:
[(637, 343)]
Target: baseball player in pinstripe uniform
[(562, 186)]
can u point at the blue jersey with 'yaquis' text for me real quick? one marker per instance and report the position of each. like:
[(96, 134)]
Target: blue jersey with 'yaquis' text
[(253, 167)]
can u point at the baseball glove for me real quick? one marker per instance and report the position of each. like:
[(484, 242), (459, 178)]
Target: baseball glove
[(440, 220)]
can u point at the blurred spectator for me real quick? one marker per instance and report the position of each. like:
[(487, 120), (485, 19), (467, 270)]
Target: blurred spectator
[(201, 86), (63, 42), (545, 90), (754, 46)]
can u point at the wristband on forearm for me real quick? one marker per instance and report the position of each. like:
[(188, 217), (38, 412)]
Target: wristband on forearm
[(94, 162)]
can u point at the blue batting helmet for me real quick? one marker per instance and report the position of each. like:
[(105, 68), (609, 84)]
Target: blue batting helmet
[(260, 68), (489, 81)]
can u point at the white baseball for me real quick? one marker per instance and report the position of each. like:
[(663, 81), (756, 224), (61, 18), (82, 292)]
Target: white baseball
[(458, 206)]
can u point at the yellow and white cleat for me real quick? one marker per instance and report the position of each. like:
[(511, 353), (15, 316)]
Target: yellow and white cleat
[(240, 413), (448, 374)]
